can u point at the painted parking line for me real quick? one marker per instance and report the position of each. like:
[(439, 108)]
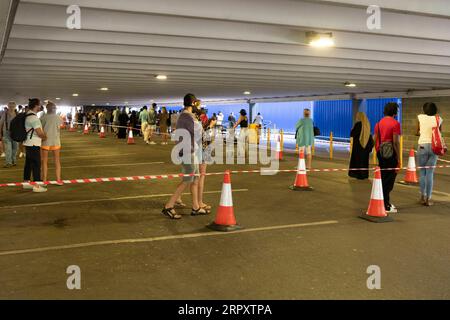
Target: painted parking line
[(165, 238), (58, 203), (100, 165), (445, 194)]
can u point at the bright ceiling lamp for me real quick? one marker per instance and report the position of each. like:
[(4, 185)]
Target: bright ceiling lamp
[(58, 98), (247, 93), (104, 89), (350, 84), (75, 95), (161, 77), (320, 40)]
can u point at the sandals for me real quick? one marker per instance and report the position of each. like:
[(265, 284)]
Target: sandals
[(180, 205), (199, 212), (170, 213), (207, 208)]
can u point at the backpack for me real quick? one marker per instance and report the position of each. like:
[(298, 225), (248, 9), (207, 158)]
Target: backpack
[(437, 142), (17, 129), (386, 148)]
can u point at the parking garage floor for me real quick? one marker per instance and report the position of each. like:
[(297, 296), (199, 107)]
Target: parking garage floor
[(294, 245)]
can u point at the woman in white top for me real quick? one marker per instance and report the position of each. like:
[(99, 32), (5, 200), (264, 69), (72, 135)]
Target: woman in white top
[(425, 154), (51, 124)]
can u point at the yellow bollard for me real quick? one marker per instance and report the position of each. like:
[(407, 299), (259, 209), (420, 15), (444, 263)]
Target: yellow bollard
[(296, 148), (351, 146), (331, 145), (268, 138), (374, 156), (401, 152), (282, 140), (313, 150)]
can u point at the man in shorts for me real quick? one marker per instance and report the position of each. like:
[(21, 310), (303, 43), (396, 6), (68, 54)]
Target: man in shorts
[(151, 128), (188, 121)]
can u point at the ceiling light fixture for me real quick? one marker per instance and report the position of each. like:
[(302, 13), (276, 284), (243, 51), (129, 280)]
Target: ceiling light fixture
[(161, 77), (247, 93), (350, 84), (104, 89), (75, 95), (320, 40), (58, 98)]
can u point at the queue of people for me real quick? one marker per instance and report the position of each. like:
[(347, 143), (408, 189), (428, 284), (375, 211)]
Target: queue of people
[(386, 138)]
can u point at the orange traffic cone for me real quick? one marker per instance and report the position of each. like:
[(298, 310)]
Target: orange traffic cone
[(279, 153), (225, 219), (130, 136), (72, 128), (411, 171), (301, 180), (376, 211), (86, 129), (102, 132)]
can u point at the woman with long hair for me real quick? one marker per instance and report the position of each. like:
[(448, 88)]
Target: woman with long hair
[(361, 147)]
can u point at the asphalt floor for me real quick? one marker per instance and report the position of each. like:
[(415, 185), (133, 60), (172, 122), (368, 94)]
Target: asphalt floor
[(294, 245)]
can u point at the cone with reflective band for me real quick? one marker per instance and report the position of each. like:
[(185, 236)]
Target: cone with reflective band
[(411, 171), (279, 152), (86, 129), (130, 136), (225, 219), (376, 211), (301, 180), (72, 128), (102, 132)]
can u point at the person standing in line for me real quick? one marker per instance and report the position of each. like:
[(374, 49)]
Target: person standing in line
[(304, 135), (115, 115), (10, 146), (243, 133), (51, 124), (163, 128), (134, 123), (33, 142), (427, 158), (361, 147), (231, 120), (151, 123), (219, 122), (208, 137), (21, 109), (173, 121), (102, 120), (123, 124), (143, 118), (188, 121), (387, 143)]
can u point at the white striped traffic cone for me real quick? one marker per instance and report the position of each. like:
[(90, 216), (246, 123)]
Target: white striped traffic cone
[(411, 171), (225, 219), (72, 127), (130, 136), (301, 180), (86, 129), (279, 152), (102, 132), (376, 211)]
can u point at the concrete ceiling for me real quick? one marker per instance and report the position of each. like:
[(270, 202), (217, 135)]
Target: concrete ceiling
[(218, 49)]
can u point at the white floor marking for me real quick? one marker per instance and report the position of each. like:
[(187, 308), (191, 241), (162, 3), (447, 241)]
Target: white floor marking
[(58, 203), (164, 238)]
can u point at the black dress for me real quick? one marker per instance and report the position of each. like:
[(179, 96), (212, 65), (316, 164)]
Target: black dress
[(123, 122), (360, 156)]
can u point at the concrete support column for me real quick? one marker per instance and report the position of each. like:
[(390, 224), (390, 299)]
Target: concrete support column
[(251, 111), (358, 105)]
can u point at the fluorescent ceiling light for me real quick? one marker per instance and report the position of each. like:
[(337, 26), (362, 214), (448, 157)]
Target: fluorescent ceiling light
[(350, 85), (247, 93), (104, 89), (161, 77), (320, 40), (58, 98), (75, 95)]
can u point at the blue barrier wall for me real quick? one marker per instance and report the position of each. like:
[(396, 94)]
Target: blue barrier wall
[(374, 109), (334, 116), (282, 115)]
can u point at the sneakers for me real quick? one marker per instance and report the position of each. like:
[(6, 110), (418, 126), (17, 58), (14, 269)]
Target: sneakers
[(28, 187), (392, 209), (39, 189), (152, 142)]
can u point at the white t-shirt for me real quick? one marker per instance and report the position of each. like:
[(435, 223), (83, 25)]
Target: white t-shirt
[(219, 119), (51, 123), (32, 122), (259, 119), (427, 123)]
